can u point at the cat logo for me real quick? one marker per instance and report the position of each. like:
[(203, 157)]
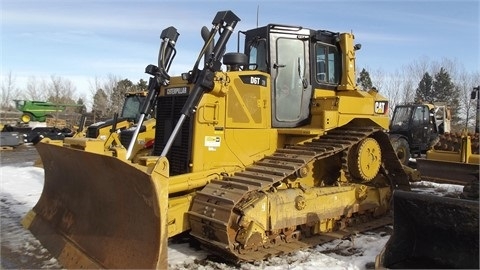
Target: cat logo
[(381, 107)]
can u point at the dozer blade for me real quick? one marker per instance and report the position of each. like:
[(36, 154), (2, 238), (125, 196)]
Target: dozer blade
[(432, 232), (97, 211), (447, 172)]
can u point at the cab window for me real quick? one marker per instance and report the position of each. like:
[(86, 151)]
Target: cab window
[(258, 56), (420, 116), (328, 71)]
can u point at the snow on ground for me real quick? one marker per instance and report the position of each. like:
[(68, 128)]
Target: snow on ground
[(432, 188), (21, 186)]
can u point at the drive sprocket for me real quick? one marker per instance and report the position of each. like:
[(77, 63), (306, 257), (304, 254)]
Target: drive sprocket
[(365, 159)]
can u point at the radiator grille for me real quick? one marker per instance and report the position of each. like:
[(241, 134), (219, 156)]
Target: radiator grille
[(168, 112), (126, 135)]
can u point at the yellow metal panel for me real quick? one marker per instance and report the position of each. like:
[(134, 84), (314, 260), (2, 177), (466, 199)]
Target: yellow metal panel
[(382, 121), (195, 180), (244, 110), (208, 113), (330, 119), (232, 148), (348, 58), (324, 110), (324, 103), (251, 145), (444, 155), (474, 159), (355, 105), (177, 212), (322, 93), (87, 144), (286, 209), (300, 131), (293, 206), (248, 105)]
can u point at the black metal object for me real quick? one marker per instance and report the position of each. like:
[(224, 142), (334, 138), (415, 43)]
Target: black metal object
[(126, 135), (93, 131), (433, 232), (160, 77), (81, 124), (418, 134), (476, 94), (114, 124), (36, 134)]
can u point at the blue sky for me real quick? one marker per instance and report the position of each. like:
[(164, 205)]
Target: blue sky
[(83, 40)]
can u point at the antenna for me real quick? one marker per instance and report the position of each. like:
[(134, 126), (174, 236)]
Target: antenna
[(258, 8)]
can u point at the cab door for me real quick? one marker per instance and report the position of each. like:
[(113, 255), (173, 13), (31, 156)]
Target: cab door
[(420, 127), (291, 89)]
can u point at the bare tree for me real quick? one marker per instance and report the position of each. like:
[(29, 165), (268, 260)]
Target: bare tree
[(407, 87), (9, 92), (110, 84), (465, 82), (33, 90), (453, 67), (61, 90), (389, 85), (413, 74), (394, 86), (379, 77)]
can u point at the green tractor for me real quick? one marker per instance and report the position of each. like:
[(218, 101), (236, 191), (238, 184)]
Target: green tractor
[(38, 110)]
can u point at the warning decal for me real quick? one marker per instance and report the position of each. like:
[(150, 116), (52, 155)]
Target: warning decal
[(212, 141)]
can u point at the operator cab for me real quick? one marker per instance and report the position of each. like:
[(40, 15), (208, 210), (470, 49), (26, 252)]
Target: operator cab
[(417, 124), (298, 61), (131, 107)]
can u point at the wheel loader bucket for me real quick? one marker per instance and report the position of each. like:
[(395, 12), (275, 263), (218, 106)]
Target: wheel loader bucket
[(432, 232), (97, 211)]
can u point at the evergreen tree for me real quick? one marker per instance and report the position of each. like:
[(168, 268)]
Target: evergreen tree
[(445, 91), (81, 106), (142, 85), (100, 104), (424, 91), (364, 80)]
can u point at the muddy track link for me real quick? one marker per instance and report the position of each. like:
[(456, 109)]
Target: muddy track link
[(219, 204)]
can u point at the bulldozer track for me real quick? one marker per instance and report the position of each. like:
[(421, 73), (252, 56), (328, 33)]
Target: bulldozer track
[(219, 204)]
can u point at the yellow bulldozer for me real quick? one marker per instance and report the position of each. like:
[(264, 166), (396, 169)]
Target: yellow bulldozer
[(118, 131), (128, 116), (258, 153)]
